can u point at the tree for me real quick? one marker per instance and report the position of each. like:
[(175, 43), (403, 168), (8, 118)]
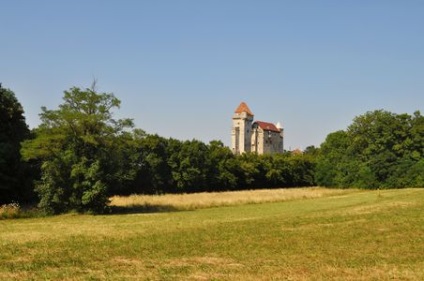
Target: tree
[(332, 159), (127, 165), (155, 174), (13, 130), (276, 169), (222, 167), (379, 140), (77, 146), (379, 149), (189, 163), (302, 170), (251, 170)]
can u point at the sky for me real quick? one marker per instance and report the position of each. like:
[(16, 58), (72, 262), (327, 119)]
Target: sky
[(181, 67)]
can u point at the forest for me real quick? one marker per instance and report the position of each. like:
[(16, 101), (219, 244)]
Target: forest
[(80, 156)]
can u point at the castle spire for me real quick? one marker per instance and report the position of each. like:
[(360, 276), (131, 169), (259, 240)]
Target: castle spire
[(243, 108)]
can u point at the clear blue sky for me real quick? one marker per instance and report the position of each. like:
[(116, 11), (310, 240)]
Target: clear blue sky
[(181, 67)]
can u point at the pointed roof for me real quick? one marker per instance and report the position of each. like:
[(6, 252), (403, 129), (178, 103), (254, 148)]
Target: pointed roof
[(267, 126), (243, 108)]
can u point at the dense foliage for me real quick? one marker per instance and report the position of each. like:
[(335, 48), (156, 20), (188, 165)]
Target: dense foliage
[(379, 149), (15, 180), (173, 166), (77, 145), (84, 156)]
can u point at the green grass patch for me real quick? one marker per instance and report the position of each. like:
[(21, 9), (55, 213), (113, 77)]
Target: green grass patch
[(360, 235)]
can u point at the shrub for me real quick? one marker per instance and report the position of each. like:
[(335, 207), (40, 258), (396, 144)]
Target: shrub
[(10, 211)]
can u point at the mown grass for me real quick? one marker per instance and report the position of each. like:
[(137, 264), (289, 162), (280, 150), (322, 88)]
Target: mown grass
[(359, 235)]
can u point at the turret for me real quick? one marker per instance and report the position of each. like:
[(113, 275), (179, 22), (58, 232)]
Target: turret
[(242, 129)]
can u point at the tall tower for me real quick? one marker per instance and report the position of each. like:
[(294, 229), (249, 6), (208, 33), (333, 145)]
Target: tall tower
[(241, 132)]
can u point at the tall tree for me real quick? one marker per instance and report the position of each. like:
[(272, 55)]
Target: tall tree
[(331, 162), (77, 146), (155, 176), (379, 149), (222, 167), (13, 130), (189, 163)]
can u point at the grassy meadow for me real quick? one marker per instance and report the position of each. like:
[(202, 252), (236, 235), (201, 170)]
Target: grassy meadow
[(291, 234)]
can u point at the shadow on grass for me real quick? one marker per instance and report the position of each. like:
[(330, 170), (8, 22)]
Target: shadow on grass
[(142, 209)]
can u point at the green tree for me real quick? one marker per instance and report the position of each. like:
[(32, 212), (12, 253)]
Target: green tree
[(189, 163), (252, 170), (302, 170), (276, 169), (332, 159), (379, 140), (379, 149), (416, 140), (222, 167), (13, 130), (125, 171), (155, 175), (77, 145)]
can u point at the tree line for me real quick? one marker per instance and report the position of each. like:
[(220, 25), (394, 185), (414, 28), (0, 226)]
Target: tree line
[(379, 149), (80, 155)]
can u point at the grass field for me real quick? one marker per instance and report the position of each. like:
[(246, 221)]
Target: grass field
[(315, 235)]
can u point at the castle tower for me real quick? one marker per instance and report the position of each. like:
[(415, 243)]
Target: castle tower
[(241, 132)]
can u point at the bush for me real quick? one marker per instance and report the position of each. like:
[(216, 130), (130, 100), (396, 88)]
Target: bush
[(10, 211)]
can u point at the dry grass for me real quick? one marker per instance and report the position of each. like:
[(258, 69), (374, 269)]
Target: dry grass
[(218, 199), (331, 235), (9, 211)]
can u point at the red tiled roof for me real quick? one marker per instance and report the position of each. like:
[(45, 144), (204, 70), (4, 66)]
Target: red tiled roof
[(243, 108), (267, 126)]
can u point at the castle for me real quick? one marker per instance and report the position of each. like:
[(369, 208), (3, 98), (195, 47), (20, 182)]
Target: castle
[(254, 136)]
